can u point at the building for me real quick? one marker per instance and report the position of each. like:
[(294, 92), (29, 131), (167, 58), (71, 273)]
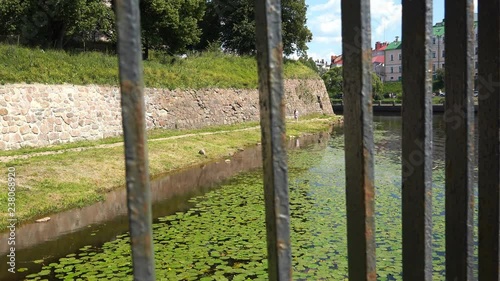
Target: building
[(378, 59), (393, 70), (437, 47), (322, 64), (438, 54), (336, 61)]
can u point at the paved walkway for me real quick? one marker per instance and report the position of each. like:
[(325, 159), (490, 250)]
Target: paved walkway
[(110, 145)]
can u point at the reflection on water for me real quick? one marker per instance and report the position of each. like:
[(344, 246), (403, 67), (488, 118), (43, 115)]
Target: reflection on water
[(69, 231), (223, 230)]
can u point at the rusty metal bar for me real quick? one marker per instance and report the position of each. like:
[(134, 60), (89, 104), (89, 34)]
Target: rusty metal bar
[(272, 120), (459, 118), (417, 140), (489, 138), (133, 120), (358, 134)]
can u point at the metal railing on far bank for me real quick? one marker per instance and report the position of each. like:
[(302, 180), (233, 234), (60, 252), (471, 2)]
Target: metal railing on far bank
[(359, 144)]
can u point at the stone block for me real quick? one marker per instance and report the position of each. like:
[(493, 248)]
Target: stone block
[(45, 128), (75, 133), (15, 138), (53, 136), (24, 129), (65, 136), (29, 137)]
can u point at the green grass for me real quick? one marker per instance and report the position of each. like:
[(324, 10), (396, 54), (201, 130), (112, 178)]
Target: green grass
[(55, 182), (205, 70)]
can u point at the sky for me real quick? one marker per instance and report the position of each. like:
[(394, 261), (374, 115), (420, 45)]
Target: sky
[(323, 19)]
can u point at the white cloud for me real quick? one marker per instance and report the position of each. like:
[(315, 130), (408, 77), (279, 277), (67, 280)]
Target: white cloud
[(386, 17), (335, 4), (324, 20), (328, 24), (328, 39)]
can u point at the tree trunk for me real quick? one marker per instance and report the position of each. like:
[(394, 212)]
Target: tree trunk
[(145, 53), (57, 34)]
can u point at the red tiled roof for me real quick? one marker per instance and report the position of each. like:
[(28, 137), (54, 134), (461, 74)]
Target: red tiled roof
[(337, 60), (378, 59)]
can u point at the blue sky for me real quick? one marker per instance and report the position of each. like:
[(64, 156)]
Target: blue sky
[(323, 19)]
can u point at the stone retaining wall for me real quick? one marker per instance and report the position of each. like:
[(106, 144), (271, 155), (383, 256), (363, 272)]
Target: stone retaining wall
[(39, 115)]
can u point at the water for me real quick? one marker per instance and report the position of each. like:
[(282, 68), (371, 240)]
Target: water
[(219, 233)]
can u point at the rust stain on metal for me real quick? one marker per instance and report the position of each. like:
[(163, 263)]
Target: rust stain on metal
[(282, 245), (367, 55), (278, 53), (127, 86)]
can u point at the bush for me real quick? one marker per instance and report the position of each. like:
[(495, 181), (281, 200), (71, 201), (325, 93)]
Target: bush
[(393, 87)]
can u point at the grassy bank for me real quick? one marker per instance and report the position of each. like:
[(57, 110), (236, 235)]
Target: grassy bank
[(205, 70), (60, 181)]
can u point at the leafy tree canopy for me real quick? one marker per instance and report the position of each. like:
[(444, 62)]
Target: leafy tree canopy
[(170, 25), (334, 83), (52, 23), (438, 81), (309, 62), (233, 23)]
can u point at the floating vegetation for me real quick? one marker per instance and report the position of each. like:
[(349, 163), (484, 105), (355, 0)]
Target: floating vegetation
[(223, 236)]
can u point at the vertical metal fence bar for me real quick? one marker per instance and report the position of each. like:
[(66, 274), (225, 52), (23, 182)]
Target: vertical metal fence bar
[(272, 120), (459, 114), (416, 143), (133, 119), (358, 131), (489, 138)]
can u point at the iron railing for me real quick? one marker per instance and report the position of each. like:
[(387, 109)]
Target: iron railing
[(416, 142)]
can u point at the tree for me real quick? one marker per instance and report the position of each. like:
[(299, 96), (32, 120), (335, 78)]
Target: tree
[(234, 22), (210, 27), (334, 83), (377, 86), (11, 12), (170, 25), (309, 62), (295, 32), (52, 23), (438, 81)]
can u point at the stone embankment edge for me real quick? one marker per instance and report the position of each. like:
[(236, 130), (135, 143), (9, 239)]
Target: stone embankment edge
[(38, 115)]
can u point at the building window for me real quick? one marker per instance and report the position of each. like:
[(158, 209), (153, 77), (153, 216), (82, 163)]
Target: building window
[(443, 65), (392, 69), (476, 65), (434, 54), (399, 56), (476, 50), (433, 68), (443, 54), (433, 40), (392, 57), (399, 78), (399, 69), (392, 77)]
